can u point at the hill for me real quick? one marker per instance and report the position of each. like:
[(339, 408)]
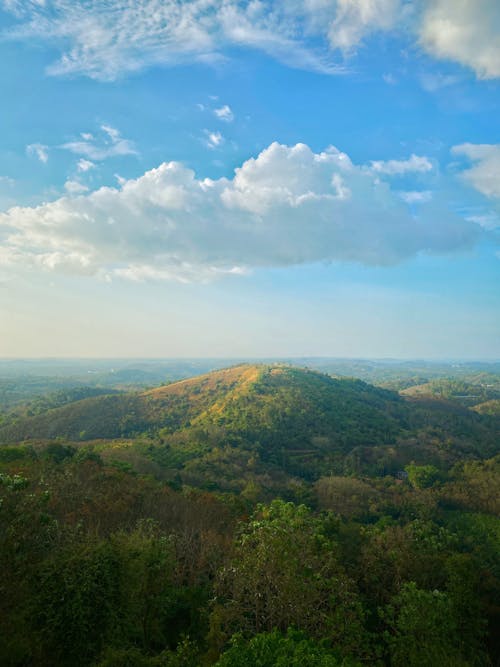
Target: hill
[(462, 392), (267, 423), (130, 531), (254, 402)]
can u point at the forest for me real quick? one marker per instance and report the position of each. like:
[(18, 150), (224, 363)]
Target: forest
[(257, 515)]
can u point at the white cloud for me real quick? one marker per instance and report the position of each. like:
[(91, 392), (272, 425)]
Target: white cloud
[(213, 139), (356, 19), (110, 144), (74, 187), (112, 133), (183, 272), (40, 151), (416, 196), (287, 206), (104, 40), (414, 164), (484, 175), (465, 31), (84, 165), (489, 221), (433, 81), (224, 113)]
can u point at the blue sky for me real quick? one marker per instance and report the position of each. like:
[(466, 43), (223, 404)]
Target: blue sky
[(218, 177)]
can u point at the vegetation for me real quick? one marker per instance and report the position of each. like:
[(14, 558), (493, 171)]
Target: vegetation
[(462, 392), (261, 515)]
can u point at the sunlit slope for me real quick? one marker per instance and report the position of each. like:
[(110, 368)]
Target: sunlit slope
[(489, 408), (279, 406), (292, 407), (456, 391)]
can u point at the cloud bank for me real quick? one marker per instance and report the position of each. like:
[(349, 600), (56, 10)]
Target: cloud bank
[(285, 207)]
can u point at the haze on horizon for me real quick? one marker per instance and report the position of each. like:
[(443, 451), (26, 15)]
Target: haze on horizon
[(250, 179)]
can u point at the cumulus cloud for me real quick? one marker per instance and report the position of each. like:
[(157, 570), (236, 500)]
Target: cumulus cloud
[(465, 31), (75, 187), (414, 164), (484, 175), (287, 206), (40, 151), (224, 113)]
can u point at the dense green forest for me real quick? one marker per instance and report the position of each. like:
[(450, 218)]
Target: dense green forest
[(258, 515)]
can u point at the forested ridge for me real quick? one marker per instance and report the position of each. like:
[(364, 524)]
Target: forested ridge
[(259, 515)]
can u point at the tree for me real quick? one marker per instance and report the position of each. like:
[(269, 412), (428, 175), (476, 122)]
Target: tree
[(285, 572), (422, 629), (273, 649), (422, 477)]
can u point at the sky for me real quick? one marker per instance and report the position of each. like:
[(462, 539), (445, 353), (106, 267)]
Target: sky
[(250, 178)]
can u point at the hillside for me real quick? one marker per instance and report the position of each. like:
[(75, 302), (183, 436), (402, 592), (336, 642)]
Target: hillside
[(267, 424), (256, 402), (461, 392), (491, 407)]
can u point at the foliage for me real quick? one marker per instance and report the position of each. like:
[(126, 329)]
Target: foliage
[(285, 572), (423, 630), (421, 477), (274, 649)]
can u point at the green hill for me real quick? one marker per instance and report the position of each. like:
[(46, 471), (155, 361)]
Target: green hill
[(254, 402), (458, 391), (252, 421)]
